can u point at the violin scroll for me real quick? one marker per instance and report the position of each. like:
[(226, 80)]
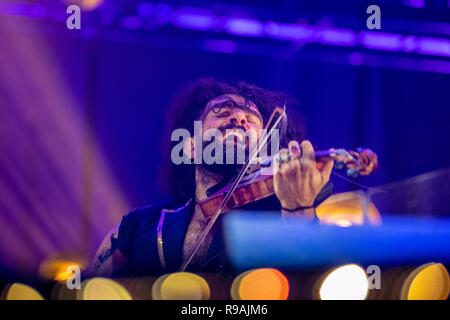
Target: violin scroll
[(361, 162)]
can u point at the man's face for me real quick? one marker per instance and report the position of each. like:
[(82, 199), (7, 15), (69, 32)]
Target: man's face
[(235, 125), (231, 112)]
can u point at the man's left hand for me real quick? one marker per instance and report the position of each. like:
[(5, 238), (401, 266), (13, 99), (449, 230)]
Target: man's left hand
[(297, 180)]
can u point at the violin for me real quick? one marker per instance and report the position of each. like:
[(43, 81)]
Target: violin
[(259, 184), (249, 187)]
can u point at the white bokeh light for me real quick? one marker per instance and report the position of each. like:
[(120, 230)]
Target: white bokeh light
[(348, 282)]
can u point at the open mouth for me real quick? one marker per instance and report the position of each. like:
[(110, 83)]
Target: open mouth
[(236, 136)]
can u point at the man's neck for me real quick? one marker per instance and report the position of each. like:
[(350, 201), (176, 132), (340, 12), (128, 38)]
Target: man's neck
[(204, 179)]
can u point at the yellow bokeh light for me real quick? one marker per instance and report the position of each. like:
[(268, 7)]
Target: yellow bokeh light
[(346, 209), (181, 286), (58, 269), (103, 289), (20, 291), (427, 282)]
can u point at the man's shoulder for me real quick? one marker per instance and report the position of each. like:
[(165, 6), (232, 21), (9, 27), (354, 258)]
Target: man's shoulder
[(146, 212), (151, 212)]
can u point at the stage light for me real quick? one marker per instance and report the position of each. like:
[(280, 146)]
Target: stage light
[(427, 282), (54, 177), (260, 284), (180, 286), (139, 288), (347, 209), (244, 27), (57, 269), (348, 282), (188, 19), (343, 223), (87, 5), (20, 291), (102, 289)]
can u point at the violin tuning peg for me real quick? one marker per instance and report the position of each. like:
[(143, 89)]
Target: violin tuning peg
[(352, 173)]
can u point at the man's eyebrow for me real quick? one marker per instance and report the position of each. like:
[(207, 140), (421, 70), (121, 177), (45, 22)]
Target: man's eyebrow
[(235, 105)]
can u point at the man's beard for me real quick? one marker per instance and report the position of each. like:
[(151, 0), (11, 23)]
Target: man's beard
[(227, 169), (234, 154)]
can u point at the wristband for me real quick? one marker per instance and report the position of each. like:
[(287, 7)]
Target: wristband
[(292, 211), (298, 208)]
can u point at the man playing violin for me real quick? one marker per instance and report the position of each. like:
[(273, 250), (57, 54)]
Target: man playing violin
[(157, 238)]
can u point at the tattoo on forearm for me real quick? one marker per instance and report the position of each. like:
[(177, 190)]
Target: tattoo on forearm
[(106, 249)]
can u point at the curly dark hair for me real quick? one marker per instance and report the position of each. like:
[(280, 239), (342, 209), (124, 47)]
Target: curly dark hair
[(188, 107)]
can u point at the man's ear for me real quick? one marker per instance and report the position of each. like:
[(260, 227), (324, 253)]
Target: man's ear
[(188, 148)]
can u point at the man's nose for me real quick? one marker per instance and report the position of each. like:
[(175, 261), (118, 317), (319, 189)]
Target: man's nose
[(239, 118)]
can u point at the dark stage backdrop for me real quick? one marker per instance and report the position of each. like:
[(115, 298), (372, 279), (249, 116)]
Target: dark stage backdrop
[(122, 90), (402, 115)]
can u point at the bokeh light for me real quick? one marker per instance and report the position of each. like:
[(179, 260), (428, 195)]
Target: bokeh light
[(20, 291), (260, 284), (103, 289), (87, 5), (347, 209), (347, 282), (58, 269), (427, 282), (181, 286)]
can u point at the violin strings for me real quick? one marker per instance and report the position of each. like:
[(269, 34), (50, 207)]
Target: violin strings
[(357, 184)]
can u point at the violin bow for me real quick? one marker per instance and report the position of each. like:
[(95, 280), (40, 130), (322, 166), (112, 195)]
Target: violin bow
[(282, 112)]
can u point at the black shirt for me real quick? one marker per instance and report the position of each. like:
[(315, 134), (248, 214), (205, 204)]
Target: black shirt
[(152, 237)]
